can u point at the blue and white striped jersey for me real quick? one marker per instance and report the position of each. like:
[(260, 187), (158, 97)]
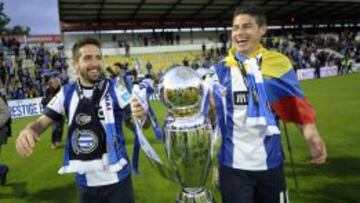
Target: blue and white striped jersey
[(65, 104), (243, 147)]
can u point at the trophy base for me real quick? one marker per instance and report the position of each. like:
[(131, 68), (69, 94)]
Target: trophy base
[(204, 196)]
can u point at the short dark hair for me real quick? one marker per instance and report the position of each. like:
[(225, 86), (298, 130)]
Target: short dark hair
[(252, 10), (82, 42), (117, 64), (120, 65)]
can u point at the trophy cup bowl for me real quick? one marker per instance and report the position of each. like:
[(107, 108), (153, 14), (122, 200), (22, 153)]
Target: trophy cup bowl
[(187, 133), (182, 91)]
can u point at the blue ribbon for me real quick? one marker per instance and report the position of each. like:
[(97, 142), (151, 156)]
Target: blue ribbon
[(154, 121), (205, 111), (155, 126), (136, 153), (219, 107)]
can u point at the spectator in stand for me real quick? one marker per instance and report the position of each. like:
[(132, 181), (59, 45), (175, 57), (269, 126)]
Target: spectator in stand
[(16, 48), (3, 73), (196, 63), (19, 94), (10, 68), (185, 61), (127, 49), (39, 56), (2, 52), (349, 65), (149, 67), (203, 49), (146, 41), (27, 51), (177, 38)]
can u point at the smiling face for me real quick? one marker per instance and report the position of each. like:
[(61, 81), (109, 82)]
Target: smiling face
[(88, 65), (246, 33)]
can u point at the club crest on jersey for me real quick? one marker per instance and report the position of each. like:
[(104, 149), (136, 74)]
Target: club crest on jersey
[(240, 97), (82, 119), (84, 141), (101, 114)]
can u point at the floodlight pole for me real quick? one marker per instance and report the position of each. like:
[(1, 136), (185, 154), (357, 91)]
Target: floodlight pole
[(291, 157)]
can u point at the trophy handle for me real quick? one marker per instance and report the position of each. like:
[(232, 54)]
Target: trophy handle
[(163, 167)]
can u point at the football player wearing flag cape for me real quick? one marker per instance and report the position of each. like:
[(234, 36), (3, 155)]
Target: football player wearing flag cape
[(261, 88), (95, 148)]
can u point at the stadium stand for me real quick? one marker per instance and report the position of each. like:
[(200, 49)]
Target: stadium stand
[(26, 68)]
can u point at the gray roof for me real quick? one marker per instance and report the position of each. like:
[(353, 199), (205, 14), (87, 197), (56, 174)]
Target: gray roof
[(78, 15)]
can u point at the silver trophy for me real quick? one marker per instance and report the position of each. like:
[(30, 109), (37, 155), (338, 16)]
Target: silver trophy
[(187, 135)]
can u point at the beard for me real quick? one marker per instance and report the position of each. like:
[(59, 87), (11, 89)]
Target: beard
[(90, 77)]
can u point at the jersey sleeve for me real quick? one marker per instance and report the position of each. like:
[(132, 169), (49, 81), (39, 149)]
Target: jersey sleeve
[(55, 108)]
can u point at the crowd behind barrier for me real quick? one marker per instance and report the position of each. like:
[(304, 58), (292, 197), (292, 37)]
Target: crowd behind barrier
[(32, 107), (25, 69)]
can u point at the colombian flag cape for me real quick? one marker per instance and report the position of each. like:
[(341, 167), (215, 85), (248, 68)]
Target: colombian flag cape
[(282, 87)]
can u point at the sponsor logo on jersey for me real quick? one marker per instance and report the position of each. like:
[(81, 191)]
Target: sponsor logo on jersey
[(240, 97)]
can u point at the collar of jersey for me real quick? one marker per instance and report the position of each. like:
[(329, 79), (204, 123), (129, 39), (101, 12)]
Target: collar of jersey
[(230, 60)]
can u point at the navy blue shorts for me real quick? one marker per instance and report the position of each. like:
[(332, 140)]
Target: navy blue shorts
[(241, 186), (115, 193)]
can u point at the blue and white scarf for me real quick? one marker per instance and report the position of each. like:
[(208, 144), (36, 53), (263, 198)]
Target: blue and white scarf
[(111, 160), (258, 111)]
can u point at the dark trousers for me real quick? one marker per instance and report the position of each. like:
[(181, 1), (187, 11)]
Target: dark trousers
[(240, 186), (57, 131), (115, 193), (3, 172)]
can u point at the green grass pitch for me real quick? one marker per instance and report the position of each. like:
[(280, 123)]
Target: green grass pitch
[(336, 99)]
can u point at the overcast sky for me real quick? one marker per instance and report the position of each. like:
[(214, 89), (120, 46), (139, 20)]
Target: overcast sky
[(40, 15)]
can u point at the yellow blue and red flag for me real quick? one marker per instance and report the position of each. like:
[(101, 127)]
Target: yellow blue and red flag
[(282, 87)]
